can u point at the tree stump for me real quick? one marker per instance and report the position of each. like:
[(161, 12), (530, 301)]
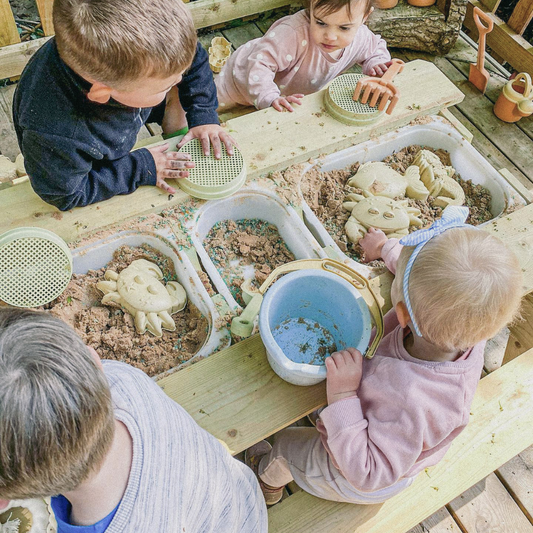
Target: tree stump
[(431, 29)]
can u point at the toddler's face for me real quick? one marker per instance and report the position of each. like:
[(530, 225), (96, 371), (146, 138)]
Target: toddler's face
[(337, 30)]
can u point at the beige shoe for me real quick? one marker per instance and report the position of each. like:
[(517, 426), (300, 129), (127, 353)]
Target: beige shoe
[(252, 458)]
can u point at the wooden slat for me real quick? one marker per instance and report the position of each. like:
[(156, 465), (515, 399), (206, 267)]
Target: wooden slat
[(211, 12), (512, 141), (242, 34), (491, 5), (521, 16), (14, 58), (8, 138), (485, 147), (233, 383), (439, 522), (461, 55), (487, 506), (492, 437), (517, 477), (268, 140), (521, 337), (205, 13), (8, 29), (45, 8), (504, 41)]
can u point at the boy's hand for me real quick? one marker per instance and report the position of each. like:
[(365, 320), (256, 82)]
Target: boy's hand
[(372, 244), (284, 102), (380, 69), (210, 134), (343, 374), (169, 165)]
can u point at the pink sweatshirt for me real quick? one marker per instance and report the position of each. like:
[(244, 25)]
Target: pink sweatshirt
[(406, 413), (286, 61)]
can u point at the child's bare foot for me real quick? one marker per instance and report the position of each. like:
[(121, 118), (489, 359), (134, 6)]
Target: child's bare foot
[(252, 458)]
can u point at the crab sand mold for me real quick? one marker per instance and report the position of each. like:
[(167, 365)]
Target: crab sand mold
[(139, 291)]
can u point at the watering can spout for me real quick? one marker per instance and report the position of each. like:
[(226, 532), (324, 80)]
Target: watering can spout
[(242, 326)]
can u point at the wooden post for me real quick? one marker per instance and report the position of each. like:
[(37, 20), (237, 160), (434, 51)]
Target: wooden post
[(8, 29), (45, 8), (521, 16)]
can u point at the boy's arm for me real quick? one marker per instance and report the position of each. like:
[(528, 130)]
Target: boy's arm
[(67, 173), (198, 93)]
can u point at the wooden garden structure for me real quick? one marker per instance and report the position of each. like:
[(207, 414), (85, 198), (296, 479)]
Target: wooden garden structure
[(235, 395)]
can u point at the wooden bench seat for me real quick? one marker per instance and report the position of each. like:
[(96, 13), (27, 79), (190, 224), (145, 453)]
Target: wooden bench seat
[(235, 395)]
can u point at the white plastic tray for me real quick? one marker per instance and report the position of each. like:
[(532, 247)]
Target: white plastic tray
[(251, 203), (466, 160), (98, 254)]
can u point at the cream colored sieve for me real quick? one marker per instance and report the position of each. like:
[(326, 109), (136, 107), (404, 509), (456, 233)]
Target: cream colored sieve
[(211, 179), (339, 102), (35, 267)]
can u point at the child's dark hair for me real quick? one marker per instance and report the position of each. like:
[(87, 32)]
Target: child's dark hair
[(327, 7)]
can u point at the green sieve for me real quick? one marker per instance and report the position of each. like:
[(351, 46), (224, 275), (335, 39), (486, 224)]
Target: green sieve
[(211, 179), (339, 102), (35, 267)]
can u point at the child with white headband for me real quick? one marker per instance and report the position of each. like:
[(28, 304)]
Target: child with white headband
[(390, 417)]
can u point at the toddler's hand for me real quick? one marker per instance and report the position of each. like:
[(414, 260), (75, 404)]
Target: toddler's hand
[(284, 102), (380, 69), (343, 374), (372, 244), (169, 165), (210, 134)]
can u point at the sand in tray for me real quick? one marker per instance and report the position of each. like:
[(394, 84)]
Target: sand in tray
[(245, 249)]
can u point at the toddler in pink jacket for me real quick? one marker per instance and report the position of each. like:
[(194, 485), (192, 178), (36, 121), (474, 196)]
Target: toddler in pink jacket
[(392, 416), (300, 54)]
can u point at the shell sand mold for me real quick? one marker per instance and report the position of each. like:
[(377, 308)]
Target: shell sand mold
[(111, 331), (412, 185)]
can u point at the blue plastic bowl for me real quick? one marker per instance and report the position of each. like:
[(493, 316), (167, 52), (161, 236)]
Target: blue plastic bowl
[(307, 315)]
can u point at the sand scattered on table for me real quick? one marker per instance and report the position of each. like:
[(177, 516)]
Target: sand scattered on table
[(324, 192), (237, 245), (111, 332)]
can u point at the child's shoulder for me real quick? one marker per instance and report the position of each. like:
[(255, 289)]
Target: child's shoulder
[(298, 22)]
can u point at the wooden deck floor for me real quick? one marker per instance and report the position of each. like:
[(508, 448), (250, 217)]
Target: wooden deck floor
[(502, 502)]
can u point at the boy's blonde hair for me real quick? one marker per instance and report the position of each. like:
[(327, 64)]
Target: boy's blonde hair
[(56, 416), (116, 42), (464, 287)]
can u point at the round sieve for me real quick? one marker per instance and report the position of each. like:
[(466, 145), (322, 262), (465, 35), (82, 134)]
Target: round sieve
[(35, 267), (212, 178), (339, 102)]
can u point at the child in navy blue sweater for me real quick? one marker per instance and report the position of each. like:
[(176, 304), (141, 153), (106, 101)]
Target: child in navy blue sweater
[(84, 96)]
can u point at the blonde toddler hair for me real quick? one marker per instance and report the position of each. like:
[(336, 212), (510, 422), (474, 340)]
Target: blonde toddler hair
[(56, 416), (117, 42), (464, 287)]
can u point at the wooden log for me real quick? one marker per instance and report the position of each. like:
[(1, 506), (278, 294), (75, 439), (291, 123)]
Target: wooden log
[(504, 41), (426, 29), (8, 29)]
